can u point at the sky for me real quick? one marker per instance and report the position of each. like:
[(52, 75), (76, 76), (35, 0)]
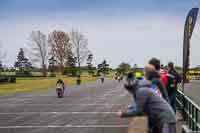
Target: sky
[(130, 31)]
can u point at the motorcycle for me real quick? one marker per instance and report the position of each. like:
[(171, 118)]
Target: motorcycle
[(60, 90), (120, 78), (102, 80)]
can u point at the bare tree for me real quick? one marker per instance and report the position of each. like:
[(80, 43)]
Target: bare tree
[(80, 44), (60, 46), (38, 49)]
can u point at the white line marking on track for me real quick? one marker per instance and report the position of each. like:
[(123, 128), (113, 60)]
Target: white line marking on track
[(71, 126), (26, 113)]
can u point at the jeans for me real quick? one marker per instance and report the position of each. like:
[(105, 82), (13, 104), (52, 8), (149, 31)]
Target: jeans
[(168, 128), (172, 99)]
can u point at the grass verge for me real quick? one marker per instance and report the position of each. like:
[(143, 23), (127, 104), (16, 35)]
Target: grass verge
[(32, 84)]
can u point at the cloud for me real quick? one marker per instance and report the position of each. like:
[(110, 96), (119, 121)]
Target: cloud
[(116, 39)]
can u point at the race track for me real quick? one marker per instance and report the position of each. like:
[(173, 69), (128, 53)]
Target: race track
[(88, 108), (192, 90)]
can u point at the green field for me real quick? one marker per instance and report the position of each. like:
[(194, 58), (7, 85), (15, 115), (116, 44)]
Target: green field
[(32, 84)]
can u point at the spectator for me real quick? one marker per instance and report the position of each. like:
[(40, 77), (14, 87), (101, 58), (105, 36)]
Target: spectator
[(172, 85), (160, 114), (163, 74), (159, 78), (156, 63)]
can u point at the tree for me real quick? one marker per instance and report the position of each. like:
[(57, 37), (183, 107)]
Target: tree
[(2, 56), (52, 66), (71, 60), (124, 67), (80, 44), (103, 67), (38, 49), (1, 67), (89, 63), (22, 64), (70, 66), (60, 46)]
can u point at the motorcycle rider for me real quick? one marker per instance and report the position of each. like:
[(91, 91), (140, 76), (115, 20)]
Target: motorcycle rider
[(120, 77), (60, 81), (115, 76), (102, 75)]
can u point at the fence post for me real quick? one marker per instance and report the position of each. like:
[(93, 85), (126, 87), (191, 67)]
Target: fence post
[(184, 102), (196, 119), (193, 118)]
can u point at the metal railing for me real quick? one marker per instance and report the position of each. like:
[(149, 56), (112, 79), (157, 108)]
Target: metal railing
[(189, 110)]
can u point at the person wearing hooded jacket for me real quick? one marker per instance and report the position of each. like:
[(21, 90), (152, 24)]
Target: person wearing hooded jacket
[(160, 114), (154, 77)]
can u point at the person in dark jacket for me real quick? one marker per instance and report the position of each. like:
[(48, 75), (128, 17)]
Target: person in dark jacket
[(172, 86), (159, 112)]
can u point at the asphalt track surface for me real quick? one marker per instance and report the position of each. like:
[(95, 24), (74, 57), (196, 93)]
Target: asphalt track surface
[(192, 90), (89, 108)]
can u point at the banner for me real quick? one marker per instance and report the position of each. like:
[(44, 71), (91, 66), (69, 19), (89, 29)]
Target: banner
[(189, 27)]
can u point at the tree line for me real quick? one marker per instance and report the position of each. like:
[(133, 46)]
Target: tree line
[(57, 49)]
